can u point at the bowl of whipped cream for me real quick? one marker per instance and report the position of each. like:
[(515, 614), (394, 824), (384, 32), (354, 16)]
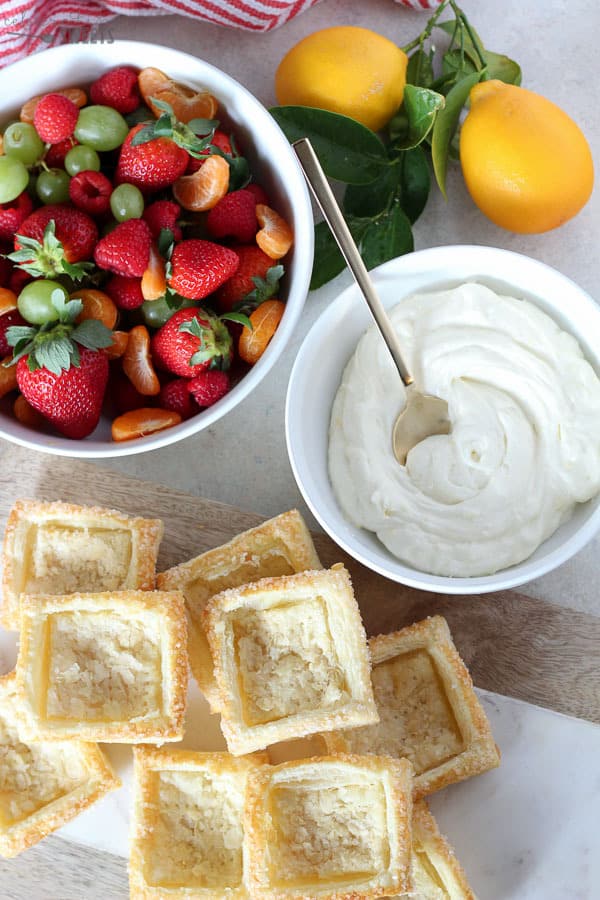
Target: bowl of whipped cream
[(514, 490)]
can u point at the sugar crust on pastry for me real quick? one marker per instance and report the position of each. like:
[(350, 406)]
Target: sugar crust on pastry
[(290, 657), (61, 548), (187, 826), (330, 828), (427, 708), (437, 873), (279, 546), (106, 667), (43, 784)]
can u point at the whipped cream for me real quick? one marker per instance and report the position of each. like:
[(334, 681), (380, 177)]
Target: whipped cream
[(525, 442)]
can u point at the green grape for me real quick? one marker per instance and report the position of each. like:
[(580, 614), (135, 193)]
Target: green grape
[(156, 312), (127, 202), (101, 128), (53, 186), (13, 178), (35, 301), (22, 141), (82, 159)]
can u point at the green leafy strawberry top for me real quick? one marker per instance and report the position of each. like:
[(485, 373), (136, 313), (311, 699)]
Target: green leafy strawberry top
[(47, 259), (55, 346)]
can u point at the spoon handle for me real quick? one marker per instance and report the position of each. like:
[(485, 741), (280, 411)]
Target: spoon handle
[(333, 216)]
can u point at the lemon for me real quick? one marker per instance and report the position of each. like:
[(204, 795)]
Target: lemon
[(347, 70), (526, 164)]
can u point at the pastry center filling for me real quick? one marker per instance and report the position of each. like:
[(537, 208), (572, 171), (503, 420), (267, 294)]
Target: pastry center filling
[(102, 666), (286, 660), (64, 560), (328, 833), (416, 718), (197, 839)]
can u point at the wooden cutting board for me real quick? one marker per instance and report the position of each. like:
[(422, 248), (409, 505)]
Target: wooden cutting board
[(512, 643)]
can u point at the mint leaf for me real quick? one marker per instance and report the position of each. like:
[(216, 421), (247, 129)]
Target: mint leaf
[(92, 334), (347, 150)]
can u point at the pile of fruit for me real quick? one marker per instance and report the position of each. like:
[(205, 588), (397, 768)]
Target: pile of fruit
[(140, 262)]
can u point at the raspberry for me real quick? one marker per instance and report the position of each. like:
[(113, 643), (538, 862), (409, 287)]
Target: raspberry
[(55, 118), (90, 191), (209, 386), (259, 192), (55, 155), (163, 214), (126, 292), (234, 216), (175, 396), (117, 88), (13, 214)]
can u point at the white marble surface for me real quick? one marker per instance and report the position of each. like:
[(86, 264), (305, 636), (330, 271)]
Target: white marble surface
[(553, 42)]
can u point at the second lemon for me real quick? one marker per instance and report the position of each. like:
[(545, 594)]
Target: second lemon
[(345, 69)]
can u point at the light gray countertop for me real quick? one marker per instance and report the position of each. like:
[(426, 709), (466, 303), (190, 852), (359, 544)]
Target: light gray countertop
[(242, 459)]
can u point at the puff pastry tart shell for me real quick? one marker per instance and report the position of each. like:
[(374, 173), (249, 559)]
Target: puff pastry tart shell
[(428, 710), (437, 873), (43, 784), (280, 546), (330, 828), (106, 667), (290, 657), (60, 548), (187, 828)]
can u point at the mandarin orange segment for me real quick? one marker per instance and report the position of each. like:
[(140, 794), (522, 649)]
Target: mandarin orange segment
[(118, 346), (141, 422), (8, 300), (76, 95), (264, 319), (154, 279), (8, 376), (187, 103), (203, 190), (26, 414), (137, 363), (96, 305), (275, 236)]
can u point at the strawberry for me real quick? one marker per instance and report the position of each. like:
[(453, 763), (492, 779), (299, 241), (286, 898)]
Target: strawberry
[(13, 214), (208, 387), (190, 342), (124, 395), (55, 118), (61, 370), (117, 88), (75, 230), (55, 240), (163, 214), (126, 249), (234, 216), (253, 264), (6, 268), (126, 292), (90, 191), (220, 140), (18, 279), (152, 165), (55, 155), (175, 396), (199, 267), (7, 320)]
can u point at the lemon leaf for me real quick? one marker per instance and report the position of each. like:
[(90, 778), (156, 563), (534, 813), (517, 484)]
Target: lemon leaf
[(347, 150), (415, 182), (445, 126), (420, 68), (420, 107), (388, 236)]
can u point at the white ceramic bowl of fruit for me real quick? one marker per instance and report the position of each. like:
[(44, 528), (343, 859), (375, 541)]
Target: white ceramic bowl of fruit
[(121, 252)]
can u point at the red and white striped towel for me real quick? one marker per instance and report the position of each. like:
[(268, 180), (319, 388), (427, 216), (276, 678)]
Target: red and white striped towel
[(30, 25)]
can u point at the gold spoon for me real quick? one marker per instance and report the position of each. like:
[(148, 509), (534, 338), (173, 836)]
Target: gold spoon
[(423, 414)]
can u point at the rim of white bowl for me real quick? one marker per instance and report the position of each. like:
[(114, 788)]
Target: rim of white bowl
[(511, 577), (89, 448)]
